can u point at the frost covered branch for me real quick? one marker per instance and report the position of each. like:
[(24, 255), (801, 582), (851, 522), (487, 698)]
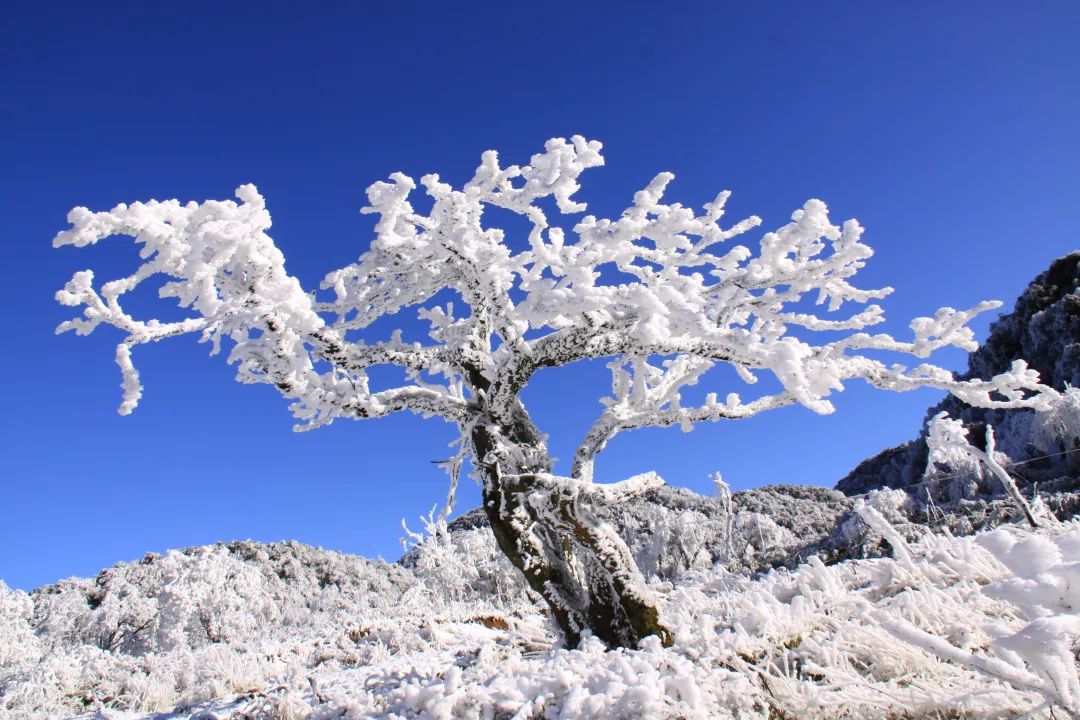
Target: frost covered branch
[(219, 262)]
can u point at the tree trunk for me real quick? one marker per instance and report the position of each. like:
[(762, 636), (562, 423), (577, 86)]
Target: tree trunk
[(579, 565)]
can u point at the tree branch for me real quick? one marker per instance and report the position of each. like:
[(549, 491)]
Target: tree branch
[(222, 265), (617, 419)]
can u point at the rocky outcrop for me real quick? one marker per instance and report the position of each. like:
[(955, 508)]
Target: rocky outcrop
[(1044, 330)]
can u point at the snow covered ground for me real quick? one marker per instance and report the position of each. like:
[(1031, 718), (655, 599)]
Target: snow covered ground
[(981, 626)]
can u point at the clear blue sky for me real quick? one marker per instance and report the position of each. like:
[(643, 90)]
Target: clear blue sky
[(950, 130)]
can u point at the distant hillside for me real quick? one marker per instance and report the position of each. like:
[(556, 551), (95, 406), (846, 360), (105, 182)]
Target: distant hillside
[(1044, 330)]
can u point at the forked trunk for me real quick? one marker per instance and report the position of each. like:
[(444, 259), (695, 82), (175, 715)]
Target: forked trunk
[(579, 565)]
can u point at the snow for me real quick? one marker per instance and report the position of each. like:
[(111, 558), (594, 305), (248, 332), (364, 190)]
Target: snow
[(982, 626)]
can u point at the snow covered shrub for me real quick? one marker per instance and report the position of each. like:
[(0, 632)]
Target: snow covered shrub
[(193, 625), (1058, 429), (950, 467), (18, 643), (948, 444), (880, 515), (667, 543), (181, 599), (462, 566), (755, 533)]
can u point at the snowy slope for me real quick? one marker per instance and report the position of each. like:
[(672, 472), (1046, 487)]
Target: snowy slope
[(980, 626)]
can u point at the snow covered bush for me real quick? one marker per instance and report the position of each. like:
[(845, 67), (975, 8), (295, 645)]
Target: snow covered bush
[(676, 541), (192, 625), (1058, 428), (680, 541), (662, 293), (464, 566), (18, 642), (948, 445), (949, 461)]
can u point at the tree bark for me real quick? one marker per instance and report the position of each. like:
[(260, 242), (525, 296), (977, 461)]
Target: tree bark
[(579, 565)]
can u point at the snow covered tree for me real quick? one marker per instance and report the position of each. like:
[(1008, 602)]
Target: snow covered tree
[(661, 292)]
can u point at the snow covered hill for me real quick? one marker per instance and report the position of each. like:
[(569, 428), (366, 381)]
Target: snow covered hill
[(981, 626)]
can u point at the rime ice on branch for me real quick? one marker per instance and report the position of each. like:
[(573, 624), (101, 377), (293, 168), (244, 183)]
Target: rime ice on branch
[(687, 298)]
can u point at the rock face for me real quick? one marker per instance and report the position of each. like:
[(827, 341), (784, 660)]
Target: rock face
[(1044, 330)]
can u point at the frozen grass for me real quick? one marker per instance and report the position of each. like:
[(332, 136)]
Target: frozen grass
[(981, 626)]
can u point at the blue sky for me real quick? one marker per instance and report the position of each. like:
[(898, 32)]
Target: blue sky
[(949, 132)]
